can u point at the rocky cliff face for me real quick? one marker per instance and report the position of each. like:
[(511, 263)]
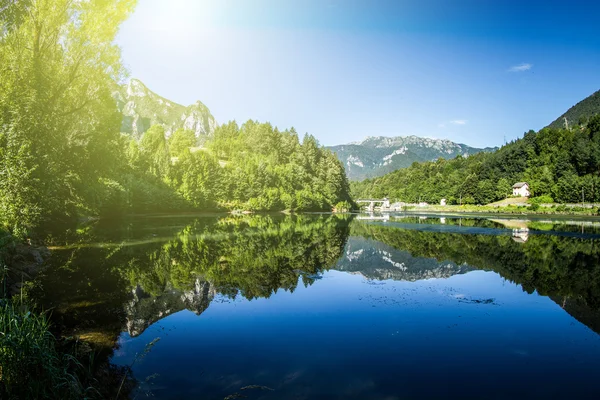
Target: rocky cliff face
[(376, 156), (375, 260), (142, 108), (144, 310)]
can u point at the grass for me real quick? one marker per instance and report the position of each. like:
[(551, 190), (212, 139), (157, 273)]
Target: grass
[(513, 209), (31, 366), (34, 364)]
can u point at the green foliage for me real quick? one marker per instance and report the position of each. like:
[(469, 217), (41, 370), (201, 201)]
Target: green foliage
[(153, 147), (268, 170), (557, 163), (181, 140), (343, 206), (34, 366), (544, 199), (197, 177), (58, 122)]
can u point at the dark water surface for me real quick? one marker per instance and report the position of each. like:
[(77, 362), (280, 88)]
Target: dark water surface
[(337, 307)]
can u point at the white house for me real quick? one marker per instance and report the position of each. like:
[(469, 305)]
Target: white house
[(521, 189)]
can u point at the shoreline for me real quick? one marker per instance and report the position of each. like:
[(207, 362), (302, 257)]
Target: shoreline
[(516, 213)]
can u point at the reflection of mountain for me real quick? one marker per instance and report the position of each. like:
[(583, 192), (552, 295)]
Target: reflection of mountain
[(580, 311), (144, 310), (376, 260), (555, 266)]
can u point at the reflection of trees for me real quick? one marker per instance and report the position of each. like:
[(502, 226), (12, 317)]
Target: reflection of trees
[(253, 255), (552, 265), (135, 275)]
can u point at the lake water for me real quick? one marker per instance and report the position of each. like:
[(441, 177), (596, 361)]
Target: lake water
[(337, 307)]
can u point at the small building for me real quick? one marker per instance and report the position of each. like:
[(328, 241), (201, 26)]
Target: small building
[(520, 235), (521, 189), (442, 202)]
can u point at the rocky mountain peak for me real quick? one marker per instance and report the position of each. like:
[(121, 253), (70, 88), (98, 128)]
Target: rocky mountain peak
[(378, 155), (142, 108)]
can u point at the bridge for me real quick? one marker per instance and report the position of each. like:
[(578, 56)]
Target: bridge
[(385, 203)]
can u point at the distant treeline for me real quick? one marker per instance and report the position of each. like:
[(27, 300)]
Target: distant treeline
[(560, 163), (62, 156)]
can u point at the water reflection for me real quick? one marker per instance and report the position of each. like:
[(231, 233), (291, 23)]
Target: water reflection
[(265, 287)]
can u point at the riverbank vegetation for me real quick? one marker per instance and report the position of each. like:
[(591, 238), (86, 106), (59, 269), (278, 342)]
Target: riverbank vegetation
[(533, 209), (34, 364), (563, 164)]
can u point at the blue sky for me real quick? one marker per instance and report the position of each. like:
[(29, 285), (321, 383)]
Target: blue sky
[(474, 72)]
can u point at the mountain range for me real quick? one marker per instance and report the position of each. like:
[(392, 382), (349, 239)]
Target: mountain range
[(142, 108), (376, 156)]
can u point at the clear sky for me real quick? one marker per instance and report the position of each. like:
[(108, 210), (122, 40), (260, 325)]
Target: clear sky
[(473, 71)]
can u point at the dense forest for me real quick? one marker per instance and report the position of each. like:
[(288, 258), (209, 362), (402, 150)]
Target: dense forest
[(563, 164), (62, 155)]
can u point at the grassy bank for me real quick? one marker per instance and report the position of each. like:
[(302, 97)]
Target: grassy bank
[(510, 209), (35, 362)]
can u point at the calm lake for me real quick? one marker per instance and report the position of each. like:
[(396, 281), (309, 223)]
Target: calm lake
[(336, 306)]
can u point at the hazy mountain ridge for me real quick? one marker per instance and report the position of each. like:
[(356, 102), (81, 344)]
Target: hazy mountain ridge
[(378, 155), (142, 108), (580, 112)]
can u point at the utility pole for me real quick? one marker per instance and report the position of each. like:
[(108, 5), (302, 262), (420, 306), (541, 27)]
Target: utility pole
[(566, 123), (582, 198)]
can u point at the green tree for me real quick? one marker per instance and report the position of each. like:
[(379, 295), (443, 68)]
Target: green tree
[(58, 121), (198, 178), (503, 188), (153, 147), (181, 140)]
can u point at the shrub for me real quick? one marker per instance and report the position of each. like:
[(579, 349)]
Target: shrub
[(545, 199), (343, 206)]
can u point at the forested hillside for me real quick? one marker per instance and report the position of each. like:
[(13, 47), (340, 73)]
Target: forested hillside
[(580, 113), (560, 163), (62, 155)]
